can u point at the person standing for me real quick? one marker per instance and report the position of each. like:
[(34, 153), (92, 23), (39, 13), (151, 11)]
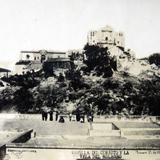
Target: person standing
[(78, 116), (90, 120), (57, 114), (82, 119), (51, 115), (43, 115), (70, 117)]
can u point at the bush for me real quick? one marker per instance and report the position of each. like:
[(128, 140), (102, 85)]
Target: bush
[(98, 59), (154, 58), (23, 99)]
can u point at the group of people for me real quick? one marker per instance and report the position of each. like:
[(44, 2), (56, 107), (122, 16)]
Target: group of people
[(45, 114), (81, 118), (78, 117)]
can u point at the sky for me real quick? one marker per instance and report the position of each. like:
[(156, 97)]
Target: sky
[(64, 24)]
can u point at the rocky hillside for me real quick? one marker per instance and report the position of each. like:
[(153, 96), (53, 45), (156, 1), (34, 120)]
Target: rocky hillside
[(93, 86)]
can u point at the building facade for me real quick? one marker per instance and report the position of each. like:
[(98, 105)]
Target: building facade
[(106, 37), (34, 60), (41, 55)]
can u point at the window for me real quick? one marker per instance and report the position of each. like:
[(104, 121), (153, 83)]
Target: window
[(92, 34), (43, 58), (27, 56), (120, 34)]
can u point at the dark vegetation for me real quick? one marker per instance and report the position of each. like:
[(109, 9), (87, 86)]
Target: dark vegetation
[(154, 59), (23, 62), (121, 94), (28, 80), (98, 60)]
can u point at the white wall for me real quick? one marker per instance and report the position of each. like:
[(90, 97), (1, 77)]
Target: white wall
[(19, 69), (32, 56), (95, 37)]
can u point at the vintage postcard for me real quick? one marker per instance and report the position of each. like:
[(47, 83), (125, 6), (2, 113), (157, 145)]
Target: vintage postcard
[(79, 80)]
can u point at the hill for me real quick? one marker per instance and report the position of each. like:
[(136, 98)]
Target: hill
[(100, 84)]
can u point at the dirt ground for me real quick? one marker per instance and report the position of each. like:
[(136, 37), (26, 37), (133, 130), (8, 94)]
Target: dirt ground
[(76, 134)]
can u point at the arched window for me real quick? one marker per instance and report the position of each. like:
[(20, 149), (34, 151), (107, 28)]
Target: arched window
[(43, 58), (106, 38), (27, 56)]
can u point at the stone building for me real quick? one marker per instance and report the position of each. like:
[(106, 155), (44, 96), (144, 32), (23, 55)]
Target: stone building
[(41, 55), (115, 43), (33, 60), (106, 37)]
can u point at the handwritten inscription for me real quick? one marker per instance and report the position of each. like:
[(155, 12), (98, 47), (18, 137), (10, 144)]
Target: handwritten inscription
[(145, 152)]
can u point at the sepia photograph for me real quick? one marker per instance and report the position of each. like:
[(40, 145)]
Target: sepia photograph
[(79, 80)]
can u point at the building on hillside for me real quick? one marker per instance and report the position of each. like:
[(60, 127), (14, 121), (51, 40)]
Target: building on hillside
[(41, 55), (33, 60), (4, 72), (115, 43), (106, 37), (56, 66)]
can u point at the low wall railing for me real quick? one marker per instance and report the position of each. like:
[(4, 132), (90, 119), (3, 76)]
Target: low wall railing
[(96, 117)]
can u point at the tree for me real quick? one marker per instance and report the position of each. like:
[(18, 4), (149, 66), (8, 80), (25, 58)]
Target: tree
[(98, 59), (61, 78), (154, 58), (23, 99)]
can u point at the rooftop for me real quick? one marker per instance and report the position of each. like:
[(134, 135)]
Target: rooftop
[(44, 51), (58, 60), (4, 70)]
